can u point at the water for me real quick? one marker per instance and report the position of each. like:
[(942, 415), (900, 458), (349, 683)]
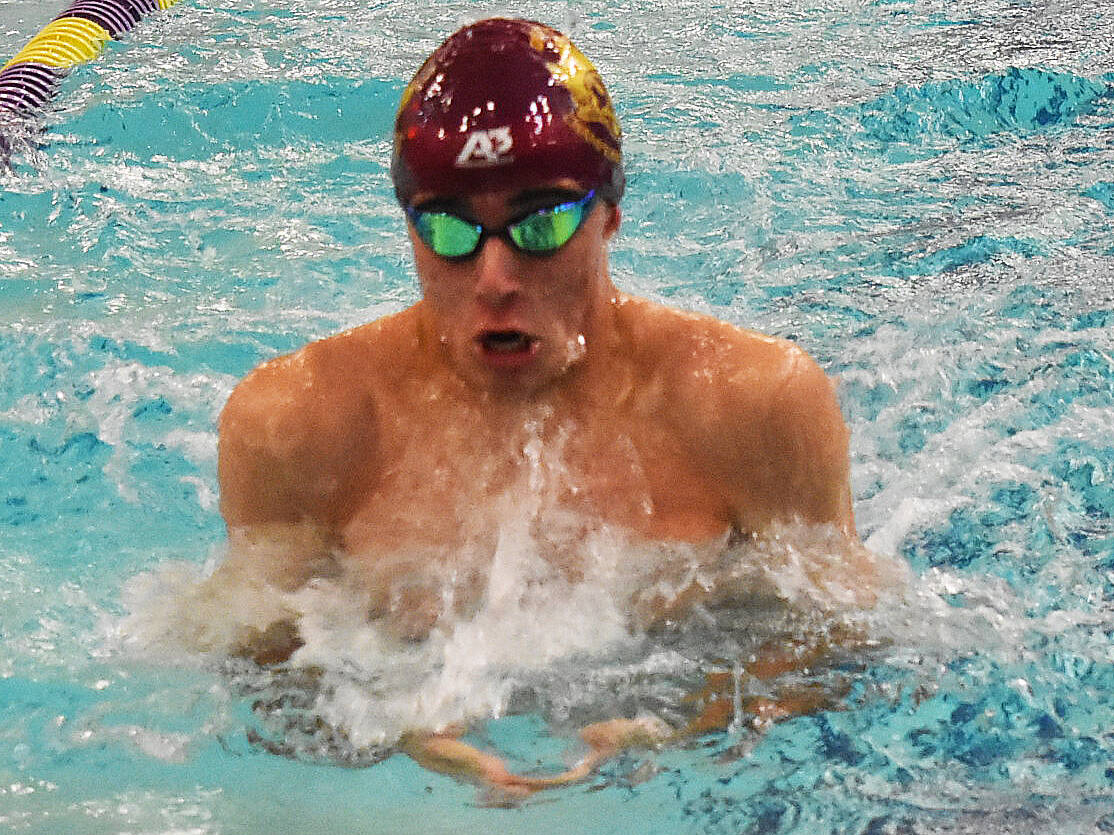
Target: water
[(920, 195)]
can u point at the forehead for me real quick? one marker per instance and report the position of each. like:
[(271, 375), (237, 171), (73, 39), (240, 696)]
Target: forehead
[(538, 193)]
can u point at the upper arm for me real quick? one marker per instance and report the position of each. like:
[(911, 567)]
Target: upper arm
[(262, 444), (768, 426), (805, 444), (763, 420), (295, 446)]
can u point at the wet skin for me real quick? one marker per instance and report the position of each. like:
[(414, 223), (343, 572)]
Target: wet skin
[(383, 451)]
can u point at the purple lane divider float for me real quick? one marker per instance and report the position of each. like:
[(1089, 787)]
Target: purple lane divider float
[(115, 17)]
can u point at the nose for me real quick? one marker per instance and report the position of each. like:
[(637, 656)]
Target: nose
[(498, 279)]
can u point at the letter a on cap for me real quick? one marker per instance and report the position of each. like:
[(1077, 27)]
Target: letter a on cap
[(485, 148)]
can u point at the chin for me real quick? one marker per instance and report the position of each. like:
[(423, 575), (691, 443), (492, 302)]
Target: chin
[(512, 377)]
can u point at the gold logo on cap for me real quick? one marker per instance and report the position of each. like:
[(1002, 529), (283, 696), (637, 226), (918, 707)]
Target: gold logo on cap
[(591, 104)]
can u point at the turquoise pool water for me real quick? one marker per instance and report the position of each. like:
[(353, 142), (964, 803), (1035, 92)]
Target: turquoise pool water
[(920, 195)]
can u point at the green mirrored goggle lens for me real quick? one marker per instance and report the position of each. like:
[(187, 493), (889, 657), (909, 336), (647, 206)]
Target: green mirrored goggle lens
[(447, 235), (542, 231), (548, 229)]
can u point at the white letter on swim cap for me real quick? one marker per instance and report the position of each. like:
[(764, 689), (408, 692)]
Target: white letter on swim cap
[(485, 148)]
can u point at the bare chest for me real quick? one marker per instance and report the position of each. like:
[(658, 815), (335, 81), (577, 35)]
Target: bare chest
[(444, 485)]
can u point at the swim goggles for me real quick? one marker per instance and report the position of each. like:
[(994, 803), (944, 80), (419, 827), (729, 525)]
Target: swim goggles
[(539, 233)]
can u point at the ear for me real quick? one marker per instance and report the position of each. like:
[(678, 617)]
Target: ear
[(612, 222)]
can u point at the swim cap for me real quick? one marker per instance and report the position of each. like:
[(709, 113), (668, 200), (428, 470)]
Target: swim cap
[(501, 104)]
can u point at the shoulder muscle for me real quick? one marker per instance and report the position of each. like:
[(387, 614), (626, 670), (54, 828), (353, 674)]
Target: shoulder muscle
[(292, 436), (765, 417)]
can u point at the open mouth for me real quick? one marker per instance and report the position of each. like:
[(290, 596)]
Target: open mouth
[(506, 343)]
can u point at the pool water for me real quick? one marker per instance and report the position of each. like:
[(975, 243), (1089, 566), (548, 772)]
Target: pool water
[(919, 195)]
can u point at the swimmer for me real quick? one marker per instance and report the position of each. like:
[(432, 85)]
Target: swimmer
[(365, 453)]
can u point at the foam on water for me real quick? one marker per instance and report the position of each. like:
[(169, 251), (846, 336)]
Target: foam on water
[(536, 626)]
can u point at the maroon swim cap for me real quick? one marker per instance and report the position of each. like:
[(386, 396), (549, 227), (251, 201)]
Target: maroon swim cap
[(503, 104)]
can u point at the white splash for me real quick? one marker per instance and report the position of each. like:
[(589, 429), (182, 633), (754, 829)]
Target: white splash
[(533, 617)]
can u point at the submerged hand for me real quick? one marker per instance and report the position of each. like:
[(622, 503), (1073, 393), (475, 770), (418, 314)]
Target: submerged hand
[(447, 754)]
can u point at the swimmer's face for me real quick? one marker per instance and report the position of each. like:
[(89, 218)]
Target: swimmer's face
[(510, 321)]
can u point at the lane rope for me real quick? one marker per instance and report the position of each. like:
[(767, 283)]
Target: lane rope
[(31, 78)]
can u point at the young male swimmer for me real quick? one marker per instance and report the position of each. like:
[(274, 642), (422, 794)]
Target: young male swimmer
[(397, 437)]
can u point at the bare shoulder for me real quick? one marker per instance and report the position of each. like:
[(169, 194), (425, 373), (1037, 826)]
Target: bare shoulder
[(281, 403), (295, 431), (757, 411), (717, 365)]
